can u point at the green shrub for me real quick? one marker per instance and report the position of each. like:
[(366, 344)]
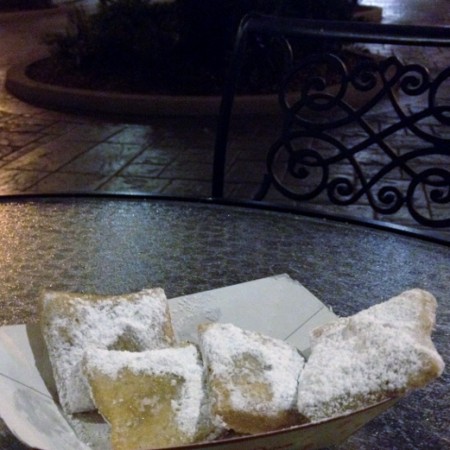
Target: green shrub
[(12, 5), (171, 40), (319, 9), (134, 30), (123, 34)]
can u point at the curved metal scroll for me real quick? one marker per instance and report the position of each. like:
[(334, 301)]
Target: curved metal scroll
[(323, 99), (310, 157)]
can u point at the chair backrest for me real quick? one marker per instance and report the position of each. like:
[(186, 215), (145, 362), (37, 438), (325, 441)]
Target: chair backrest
[(374, 132)]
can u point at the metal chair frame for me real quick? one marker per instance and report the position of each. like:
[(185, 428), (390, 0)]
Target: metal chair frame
[(391, 74)]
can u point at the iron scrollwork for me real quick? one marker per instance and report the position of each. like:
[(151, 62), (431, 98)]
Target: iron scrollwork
[(312, 159)]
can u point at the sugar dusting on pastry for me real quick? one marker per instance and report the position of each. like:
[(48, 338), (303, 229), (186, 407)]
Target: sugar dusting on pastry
[(253, 377), (182, 362), (380, 352), (72, 322)]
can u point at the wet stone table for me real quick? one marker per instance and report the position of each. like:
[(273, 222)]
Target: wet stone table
[(113, 245)]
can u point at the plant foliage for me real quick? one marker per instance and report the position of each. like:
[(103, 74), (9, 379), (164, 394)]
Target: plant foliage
[(19, 5), (161, 39)]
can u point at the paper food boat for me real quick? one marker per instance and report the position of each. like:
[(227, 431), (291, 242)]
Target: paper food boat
[(277, 306)]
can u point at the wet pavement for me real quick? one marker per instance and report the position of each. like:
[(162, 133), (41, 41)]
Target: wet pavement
[(45, 151)]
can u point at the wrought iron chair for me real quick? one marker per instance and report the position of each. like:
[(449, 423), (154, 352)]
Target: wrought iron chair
[(311, 159)]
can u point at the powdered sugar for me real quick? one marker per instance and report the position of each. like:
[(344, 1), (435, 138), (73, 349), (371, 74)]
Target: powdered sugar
[(182, 362), (230, 353), (414, 309), (73, 322), (356, 361), (362, 359)]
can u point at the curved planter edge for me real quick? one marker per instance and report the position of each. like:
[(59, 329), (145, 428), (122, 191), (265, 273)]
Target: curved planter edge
[(87, 101), (12, 16)]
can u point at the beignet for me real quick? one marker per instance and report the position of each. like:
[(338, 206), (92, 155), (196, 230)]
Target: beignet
[(151, 399), (72, 322), (378, 353), (252, 378)]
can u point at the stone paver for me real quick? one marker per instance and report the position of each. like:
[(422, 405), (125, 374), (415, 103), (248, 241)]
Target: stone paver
[(68, 182), (46, 151)]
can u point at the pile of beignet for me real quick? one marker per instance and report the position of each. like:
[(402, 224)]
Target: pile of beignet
[(119, 355)]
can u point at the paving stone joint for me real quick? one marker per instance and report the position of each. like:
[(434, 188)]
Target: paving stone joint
[(45, 151)]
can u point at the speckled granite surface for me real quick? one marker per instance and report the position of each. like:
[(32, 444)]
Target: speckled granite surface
[(116, 246)]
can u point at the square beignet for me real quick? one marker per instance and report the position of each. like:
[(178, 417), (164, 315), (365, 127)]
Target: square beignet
[(413, 310), (252, 378), (378, 353), (71, 322), (151, 399)]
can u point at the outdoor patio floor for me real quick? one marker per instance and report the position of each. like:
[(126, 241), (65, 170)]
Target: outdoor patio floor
[(43, 151)]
